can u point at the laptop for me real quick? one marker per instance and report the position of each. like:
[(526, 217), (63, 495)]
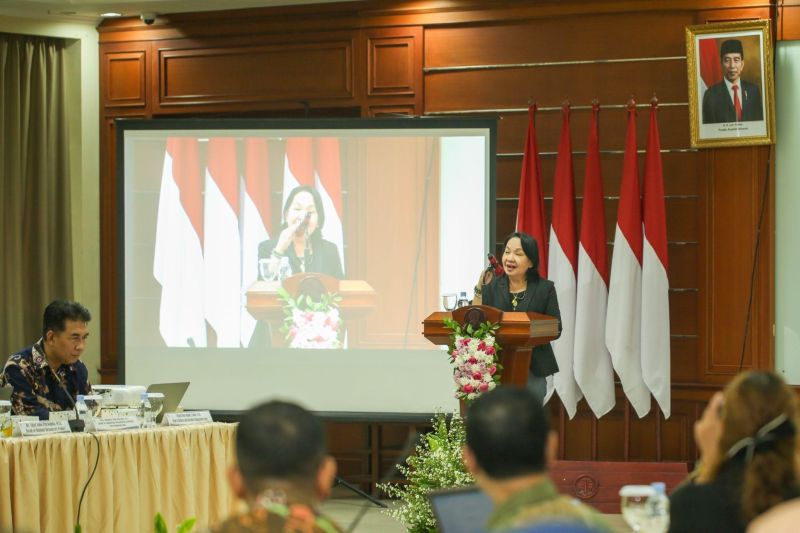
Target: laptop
[(461, 510), (173, 394)]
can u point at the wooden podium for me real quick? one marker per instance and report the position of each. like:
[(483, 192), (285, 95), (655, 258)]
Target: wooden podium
[(518, 334), (264, 303)]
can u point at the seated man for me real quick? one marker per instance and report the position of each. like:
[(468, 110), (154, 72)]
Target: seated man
[(49, 375), (509, 445), (283, 471)]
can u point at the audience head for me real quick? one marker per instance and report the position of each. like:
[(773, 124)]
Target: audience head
[(758, 415), (281, 445), (522, 251), (508, 435), (64, 331)]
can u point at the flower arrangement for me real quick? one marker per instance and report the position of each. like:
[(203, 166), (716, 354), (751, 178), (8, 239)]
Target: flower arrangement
[(436, 465), (473, 353), (309, 323)]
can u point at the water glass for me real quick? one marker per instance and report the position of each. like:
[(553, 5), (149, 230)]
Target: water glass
[(635, 508), (156, 403), (449, 301)]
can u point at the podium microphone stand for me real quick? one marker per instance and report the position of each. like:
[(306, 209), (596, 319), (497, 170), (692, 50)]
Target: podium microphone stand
[(339, 481)]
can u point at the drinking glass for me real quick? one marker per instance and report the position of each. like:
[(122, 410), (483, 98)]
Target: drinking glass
[(449, 301), (634, 500), (156, 403), (94, 403)]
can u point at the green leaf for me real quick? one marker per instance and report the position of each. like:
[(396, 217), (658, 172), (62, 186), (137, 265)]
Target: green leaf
[(77, 529), (160, 526), (187, 525)]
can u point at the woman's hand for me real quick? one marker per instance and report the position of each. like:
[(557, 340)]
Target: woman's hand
[(287, 236)]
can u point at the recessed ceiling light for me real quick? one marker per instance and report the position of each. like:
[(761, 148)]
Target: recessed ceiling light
[(110, 14)]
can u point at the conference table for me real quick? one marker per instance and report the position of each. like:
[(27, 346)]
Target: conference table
[(177, 471)]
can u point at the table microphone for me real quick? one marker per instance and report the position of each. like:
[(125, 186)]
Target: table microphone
[(77, 425)]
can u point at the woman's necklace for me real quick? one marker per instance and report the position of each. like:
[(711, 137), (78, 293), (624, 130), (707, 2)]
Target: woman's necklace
[(517, 297)]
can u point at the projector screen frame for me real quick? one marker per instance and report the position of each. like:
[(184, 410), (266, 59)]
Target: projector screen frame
[(124, 125)]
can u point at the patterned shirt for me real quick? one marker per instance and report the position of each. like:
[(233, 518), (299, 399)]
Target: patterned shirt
[(542, 504), (37, 390), (278, 518)]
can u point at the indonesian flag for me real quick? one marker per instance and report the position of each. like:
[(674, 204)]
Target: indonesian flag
[(298, 165), (562, 267), (178, 259), (709, 64), (255, 220), (655, 285), (223, 273), (593, 371), (624, 317), (329, 185), (530, 213)]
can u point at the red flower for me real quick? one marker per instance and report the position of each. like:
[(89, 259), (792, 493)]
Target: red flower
[(468, 388), (476, 375), (489, 350), (483, 387), (492, 370)]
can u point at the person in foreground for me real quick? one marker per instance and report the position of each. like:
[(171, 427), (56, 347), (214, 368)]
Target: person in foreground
[(747, 438), (49, 375), (300, 238), (523, 289), (282, 472), (509, 446)]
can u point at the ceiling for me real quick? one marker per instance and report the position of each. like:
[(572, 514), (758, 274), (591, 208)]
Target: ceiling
[(89, 11)]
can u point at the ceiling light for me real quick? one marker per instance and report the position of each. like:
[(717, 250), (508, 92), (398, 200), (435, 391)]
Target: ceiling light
[(110, 14)]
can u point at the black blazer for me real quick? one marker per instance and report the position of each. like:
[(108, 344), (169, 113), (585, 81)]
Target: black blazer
[(718, 106), (540, 297), (324, 260)]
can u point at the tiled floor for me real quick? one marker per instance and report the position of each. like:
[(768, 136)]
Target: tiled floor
[(344, 511)]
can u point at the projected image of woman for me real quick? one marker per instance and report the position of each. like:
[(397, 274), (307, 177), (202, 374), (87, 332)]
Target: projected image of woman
[(300, 238), (523, 289)]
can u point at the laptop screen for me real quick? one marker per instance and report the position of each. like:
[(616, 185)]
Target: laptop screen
[(461, 510)]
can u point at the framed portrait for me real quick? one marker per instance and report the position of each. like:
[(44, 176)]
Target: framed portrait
[(731, 99)]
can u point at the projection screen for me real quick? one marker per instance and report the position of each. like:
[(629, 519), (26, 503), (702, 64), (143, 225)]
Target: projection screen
[(403, 212)]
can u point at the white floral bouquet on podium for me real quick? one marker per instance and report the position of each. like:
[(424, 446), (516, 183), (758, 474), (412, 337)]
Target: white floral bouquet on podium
[(309, 323), (473, 353)]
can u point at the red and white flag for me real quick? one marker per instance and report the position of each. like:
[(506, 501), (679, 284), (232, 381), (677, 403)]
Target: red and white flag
[(255, 220), (593, 371), (562, 268), (624, 317), (709, 64), (329, 185), (223, 272), (655, 283), (298, 165), (178, 259), (530, 213)]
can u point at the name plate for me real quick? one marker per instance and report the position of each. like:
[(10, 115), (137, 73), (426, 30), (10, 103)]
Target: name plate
[(187, 418), (16, 419), (121, 412), (43, 427), (116, 423), (57, 416)]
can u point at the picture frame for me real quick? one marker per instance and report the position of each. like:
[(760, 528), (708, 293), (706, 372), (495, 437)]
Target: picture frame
[(731, 84)]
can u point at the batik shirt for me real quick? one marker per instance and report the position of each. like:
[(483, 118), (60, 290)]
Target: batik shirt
[(542, 504), (36, 389), (278, 518)]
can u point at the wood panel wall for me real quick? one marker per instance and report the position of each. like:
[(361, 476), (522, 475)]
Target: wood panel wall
[(385, 58)]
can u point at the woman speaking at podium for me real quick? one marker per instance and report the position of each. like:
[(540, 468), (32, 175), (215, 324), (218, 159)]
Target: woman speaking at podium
[(523, 289), (300, 242)]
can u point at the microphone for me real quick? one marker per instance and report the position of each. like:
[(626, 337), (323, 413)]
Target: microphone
[(494, 265), (77, 425), (408, 449)]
